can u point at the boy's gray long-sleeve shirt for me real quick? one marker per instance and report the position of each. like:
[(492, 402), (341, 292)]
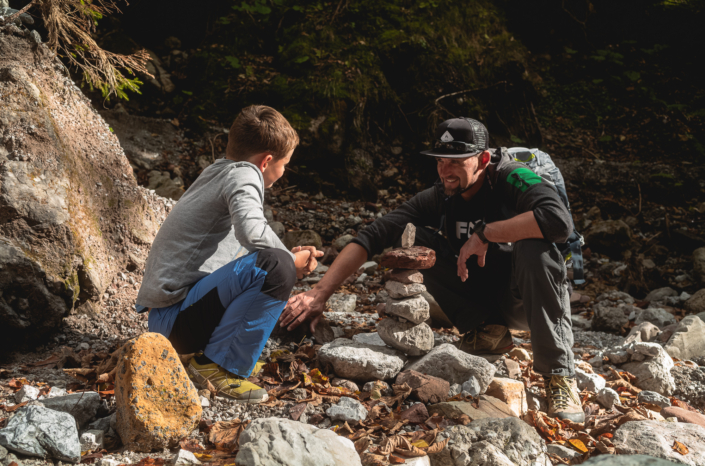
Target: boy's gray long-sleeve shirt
[(221, 214)]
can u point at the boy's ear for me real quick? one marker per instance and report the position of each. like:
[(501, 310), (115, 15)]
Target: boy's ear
[(262, 161)]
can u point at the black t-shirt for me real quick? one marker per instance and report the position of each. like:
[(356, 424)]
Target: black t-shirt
[(509, 189)]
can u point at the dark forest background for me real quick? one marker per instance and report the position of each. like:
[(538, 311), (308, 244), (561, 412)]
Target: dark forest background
[(366, 81)]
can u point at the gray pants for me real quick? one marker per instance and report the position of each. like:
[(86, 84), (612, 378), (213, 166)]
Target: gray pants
[(524, 290)]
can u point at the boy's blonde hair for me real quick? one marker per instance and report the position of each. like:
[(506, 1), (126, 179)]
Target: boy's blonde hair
[(258, 129)]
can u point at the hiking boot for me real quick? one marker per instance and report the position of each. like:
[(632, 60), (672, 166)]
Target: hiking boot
[(226, 383), (487, 339), (563, 398)]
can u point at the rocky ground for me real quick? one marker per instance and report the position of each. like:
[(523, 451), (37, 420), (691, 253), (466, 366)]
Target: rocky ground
[(395, 393)]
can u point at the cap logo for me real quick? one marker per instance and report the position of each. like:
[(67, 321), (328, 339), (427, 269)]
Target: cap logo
[(446, 137)]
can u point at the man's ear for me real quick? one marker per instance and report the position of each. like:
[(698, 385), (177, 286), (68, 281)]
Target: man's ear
[(485, 158)]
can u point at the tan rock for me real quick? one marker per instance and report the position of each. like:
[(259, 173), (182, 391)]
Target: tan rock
[(405, 276), (156, 403), (494, 407), (511, 392), (521, 354)]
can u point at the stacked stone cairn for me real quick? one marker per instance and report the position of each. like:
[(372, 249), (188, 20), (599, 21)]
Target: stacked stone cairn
[(406, 311)]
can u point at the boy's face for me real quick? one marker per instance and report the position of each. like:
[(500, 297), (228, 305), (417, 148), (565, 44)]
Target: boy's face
[(275, 169)]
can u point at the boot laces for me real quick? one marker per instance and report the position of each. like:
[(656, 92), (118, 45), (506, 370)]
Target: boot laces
[(561, 392), (470, 338)]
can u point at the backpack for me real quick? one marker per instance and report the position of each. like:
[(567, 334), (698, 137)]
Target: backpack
[(541, 164)]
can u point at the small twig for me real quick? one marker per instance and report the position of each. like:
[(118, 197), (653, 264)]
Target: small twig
[(212, 141), (290, 187), (468, 90), (12, 17), (639, 186)]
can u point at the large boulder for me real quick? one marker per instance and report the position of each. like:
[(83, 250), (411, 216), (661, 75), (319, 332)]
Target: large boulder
[(360, 361), (274, 441), (157, 405), (656, 439), (688, 340), (449, 363), (70, 208), (516, 440)]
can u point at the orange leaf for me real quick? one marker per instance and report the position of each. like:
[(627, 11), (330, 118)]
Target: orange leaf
[(578, 445), (396, 460), (680, 448)]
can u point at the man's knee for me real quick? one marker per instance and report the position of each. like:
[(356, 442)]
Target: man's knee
[(537, 254), (281, 272)]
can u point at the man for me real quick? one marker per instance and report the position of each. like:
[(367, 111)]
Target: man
[(489, 206)]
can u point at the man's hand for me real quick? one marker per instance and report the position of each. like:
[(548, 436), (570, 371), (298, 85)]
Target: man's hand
[(473, 246), (301, 307), (305, 260)]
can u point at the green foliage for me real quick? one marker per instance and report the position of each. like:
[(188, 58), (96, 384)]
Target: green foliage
[(357, 62)]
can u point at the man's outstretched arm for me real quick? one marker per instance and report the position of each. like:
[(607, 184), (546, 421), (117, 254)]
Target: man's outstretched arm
[(312, 303)]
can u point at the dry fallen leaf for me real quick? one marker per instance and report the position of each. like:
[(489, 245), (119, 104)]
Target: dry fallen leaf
[(680, 448), (578, 445), (226, 434)]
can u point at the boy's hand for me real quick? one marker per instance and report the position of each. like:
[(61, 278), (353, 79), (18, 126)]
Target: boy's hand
[(305, 267)]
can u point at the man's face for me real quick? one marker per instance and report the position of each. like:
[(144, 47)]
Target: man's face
[(457, 175), (275, 169)]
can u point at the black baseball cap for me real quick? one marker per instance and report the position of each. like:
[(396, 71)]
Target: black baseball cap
[(459, 138)]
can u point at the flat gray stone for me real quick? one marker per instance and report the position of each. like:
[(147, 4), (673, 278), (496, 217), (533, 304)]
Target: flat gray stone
[(41, 432), (646, 396), (660, 294), (400, 290), (657, 316), (407, 337), (408, 236), (369, 339), (563, 452), (656, 439), (607, 397), (82, 406), (415, 309), (449, 363), (348, 410), (362, 362), (283, 442)]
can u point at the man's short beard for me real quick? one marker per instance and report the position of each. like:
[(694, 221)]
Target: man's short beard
[(458, 190)]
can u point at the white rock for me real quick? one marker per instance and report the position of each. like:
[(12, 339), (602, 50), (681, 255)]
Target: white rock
[(92, 440), (184, 458), (409, 236), (454, 390), (415, 309), (284, 442), (657, 316), (472, 386), (654, 372), (617, 356), (348, 410), (204, 402), (407, 337), (358, 361), (26, 393), (607, 398), (400, 290), (56, 391), (590, 382), (688, 340), (369, 267), (108, 461)]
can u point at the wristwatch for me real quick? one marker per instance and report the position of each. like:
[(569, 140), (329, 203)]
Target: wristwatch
[(479, 230)]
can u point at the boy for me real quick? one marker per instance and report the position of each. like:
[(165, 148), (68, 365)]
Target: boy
[(199, 296)]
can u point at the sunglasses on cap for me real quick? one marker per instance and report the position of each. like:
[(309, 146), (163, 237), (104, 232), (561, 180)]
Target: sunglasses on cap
[(458, 147)]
